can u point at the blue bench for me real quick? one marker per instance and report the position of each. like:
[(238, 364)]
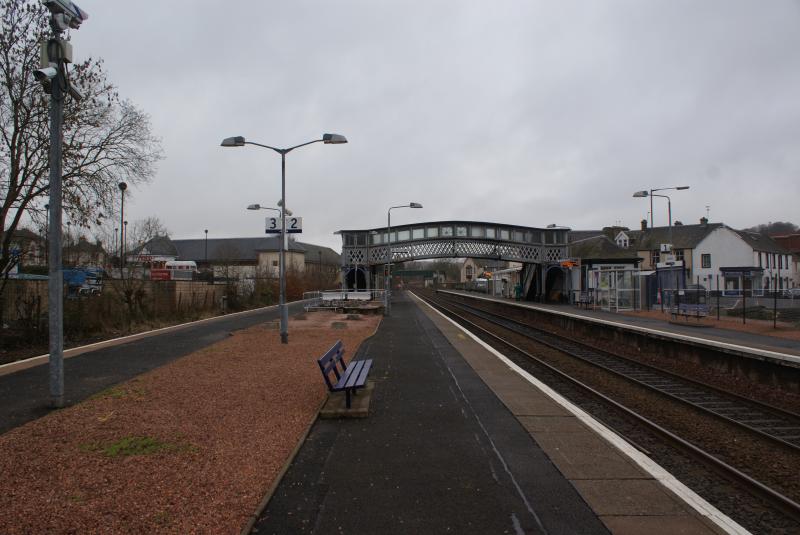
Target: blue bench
[(348, 378), (688, 310)]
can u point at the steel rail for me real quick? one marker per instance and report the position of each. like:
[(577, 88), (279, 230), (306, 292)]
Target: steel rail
[(790, 419)]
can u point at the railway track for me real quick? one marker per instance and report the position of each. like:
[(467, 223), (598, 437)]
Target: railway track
[(780, 427)]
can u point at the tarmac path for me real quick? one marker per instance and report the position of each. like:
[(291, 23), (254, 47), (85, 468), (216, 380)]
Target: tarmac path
[(24, 395), (439, 453)]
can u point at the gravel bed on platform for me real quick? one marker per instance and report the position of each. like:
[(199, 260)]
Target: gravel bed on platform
[(191, 447)]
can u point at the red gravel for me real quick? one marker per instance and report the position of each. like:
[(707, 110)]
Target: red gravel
[(226, 419)]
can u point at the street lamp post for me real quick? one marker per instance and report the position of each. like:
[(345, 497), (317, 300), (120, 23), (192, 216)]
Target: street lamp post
[(649, 193), (122, 187), (651, 198), (387, 307), (124, 239), (239, 141), (206, 248), (259, 207)]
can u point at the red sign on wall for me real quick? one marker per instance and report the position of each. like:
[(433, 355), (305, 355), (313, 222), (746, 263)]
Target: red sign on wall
[(159, 275)]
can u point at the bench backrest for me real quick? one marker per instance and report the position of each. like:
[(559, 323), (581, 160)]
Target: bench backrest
[(331, 361)]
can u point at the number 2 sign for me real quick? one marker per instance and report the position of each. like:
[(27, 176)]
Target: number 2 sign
[(294, 224)]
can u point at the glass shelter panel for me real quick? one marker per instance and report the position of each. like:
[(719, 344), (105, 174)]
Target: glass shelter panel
[(433, 232), (418, 233)]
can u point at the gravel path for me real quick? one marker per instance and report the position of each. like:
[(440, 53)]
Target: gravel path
[(190, 447)]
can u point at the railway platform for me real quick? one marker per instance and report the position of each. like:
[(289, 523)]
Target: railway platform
[(743, 342), (461, 441)]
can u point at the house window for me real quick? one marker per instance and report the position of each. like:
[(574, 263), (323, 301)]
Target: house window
[(274, 263), (679, 255), (655, 257), (705, 259)]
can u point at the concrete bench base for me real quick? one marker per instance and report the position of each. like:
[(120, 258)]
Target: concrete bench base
[(359, 407)]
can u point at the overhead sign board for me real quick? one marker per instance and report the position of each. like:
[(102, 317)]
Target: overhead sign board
[(294, 225)]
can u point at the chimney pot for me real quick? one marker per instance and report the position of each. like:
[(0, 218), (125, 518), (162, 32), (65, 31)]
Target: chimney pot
[(644, 224)]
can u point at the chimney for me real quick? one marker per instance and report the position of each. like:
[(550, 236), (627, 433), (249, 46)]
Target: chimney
[(704, 221), (644, 224)]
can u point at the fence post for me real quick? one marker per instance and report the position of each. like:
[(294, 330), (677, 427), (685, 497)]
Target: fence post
[(744, 302), (775, 304)]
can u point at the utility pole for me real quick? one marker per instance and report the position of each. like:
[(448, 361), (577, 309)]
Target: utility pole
[(56, 53)]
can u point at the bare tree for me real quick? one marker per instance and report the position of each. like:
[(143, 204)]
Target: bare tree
[(106, 139)]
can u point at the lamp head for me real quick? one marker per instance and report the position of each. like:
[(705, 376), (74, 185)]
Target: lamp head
[(333, 139), (236, 141), (682, 187), (643, 193), (254, 207), (122, 186), (415, 205)]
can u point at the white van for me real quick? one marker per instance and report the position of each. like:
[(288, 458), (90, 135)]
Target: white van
[(181, 269)]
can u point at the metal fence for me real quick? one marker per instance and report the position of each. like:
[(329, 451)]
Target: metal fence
[(337, 298)]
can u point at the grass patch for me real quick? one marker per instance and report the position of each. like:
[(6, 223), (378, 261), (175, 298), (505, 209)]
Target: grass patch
[(118, 392), (135, 445)]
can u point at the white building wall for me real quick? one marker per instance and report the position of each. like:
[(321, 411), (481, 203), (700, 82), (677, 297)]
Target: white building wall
[(786, 273), (727, 249)]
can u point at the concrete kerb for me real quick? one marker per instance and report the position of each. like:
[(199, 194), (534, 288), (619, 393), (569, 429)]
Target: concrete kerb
[(12, 367)]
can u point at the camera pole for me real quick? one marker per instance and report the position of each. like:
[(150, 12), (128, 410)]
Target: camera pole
[(55, 285)]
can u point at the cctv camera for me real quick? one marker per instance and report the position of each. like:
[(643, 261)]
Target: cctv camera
[(66, 13), (45, 75)]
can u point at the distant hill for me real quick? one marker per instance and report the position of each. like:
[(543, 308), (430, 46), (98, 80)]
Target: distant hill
[(778, 228)]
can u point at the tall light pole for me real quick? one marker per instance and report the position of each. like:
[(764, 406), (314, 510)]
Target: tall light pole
[(259, 207), (239, 141), (122, 187), (646, 193), (387, 307), (124, 239), (206, 248), (55, 55), (651, 198)]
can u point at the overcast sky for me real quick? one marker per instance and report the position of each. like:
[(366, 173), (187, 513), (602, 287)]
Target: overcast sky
[(521, 112)]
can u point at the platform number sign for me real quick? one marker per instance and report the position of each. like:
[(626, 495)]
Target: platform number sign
[(294, 224)]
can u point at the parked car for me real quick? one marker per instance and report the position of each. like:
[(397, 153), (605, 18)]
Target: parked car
[(793, 293)]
